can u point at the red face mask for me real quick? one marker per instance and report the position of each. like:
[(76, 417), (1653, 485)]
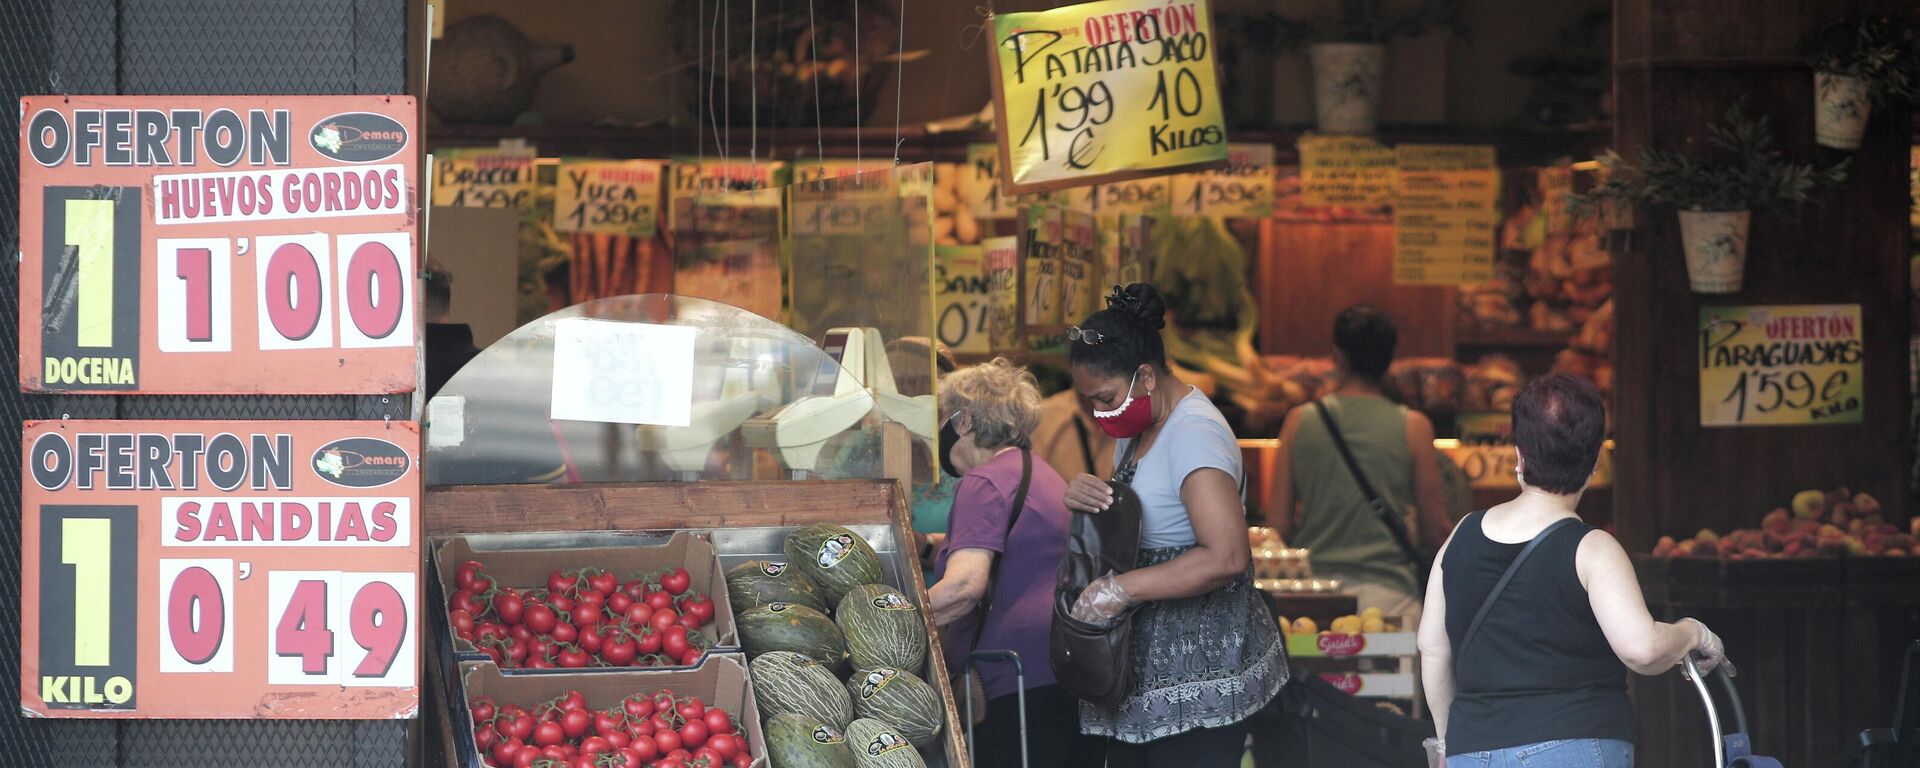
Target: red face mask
[(1133, 416)]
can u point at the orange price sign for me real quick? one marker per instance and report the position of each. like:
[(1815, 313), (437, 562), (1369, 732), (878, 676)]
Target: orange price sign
[(186, 569)]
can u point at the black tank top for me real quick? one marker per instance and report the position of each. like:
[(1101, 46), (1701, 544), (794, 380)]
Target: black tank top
[(1540, 669)]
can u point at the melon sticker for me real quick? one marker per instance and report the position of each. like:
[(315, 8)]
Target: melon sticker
[(825, 735), (875, 681), (884, 743), (834, 550), (892, 601), (773, 569), (776, 607)]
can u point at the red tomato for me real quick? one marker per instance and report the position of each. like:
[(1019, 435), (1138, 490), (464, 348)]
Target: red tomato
[(461, 619), (659, 601), (691, 709), (618, 739), (573, 700), (484, 738), (520, 727), (594, 744), (507, 604), (591, 640), (604, 583), (676, 582), (635, 589), (647, 641), (638, 613), (584, 614), (538, 618), (468, 573), (520, 633), (571, 657), (708, 757), (560, 581), (489, 630), (590, 597), (675, 646), (463, 600), (638, 707), (741, 760), (694, 733), (563, 632), (660, 726), (526, 758), (619, 651), (630, 757), (691, 657), (504, 751), (718, 721), (585, 760), (699, 607), (618, 603), (645, 748), (558, 752), (664, 701), (663, 618), (549, 734), (608, 722), (724, 744), (667, 739), (578, 723), (482, 709)]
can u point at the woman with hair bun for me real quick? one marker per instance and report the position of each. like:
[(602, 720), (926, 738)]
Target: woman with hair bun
[(1206, 654)]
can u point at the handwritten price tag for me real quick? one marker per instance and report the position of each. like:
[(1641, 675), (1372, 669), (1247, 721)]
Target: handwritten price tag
[(1106, 90), (619, 197), (1781, 365)]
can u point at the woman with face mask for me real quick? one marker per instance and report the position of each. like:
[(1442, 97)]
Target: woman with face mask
[(1007, 531), (1205, 653)]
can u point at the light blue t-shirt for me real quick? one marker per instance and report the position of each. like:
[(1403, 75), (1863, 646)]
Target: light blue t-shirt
[(1195, 437)]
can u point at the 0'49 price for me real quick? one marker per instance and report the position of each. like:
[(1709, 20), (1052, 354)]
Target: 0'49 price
[(322, 627)]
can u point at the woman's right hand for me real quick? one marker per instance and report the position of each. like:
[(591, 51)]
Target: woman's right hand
[(1086, 493), (1709, 652)]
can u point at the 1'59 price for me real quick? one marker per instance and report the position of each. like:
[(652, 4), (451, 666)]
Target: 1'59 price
[(1759, 393)]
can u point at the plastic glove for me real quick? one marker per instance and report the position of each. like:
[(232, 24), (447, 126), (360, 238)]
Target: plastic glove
[(1101, 601), (1710, 652), (1436, 752)]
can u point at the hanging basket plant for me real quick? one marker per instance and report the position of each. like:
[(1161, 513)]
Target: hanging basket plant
[(1716, 192), (1871, 62)]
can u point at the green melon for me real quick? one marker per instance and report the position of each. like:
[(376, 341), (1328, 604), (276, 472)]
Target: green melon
[(785, 682), (758, 582), (798, 741), (790, 627), (899, 699), (883, 628), (835, 558), (876, 744)]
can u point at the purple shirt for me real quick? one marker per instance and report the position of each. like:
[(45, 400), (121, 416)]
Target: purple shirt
[(1022, 611)]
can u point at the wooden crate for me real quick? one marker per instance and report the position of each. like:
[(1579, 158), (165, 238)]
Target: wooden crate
[(704, 506)]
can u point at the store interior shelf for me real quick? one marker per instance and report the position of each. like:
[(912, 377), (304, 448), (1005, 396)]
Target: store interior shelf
[(1512, 338)]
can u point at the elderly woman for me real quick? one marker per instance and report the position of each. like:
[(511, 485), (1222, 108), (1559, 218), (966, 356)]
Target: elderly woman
[(1007, 530), (1542, 679), (1206, 654)]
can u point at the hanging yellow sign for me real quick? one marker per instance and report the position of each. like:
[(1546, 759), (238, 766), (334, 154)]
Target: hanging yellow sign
[(1781, 365), (484, 177), (612, 197), (1345, 171), (1107, 90)]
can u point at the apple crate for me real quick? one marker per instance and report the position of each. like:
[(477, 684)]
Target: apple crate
[(524, 560), (720, 680)]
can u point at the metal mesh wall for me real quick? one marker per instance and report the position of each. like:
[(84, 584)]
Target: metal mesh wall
[(170, 47)]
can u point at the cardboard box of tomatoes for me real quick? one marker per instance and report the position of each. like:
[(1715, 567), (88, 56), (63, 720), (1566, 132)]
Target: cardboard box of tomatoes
[(527, 608), (502, 715)]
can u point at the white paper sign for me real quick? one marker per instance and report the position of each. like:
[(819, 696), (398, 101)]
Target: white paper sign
[(623, 373)]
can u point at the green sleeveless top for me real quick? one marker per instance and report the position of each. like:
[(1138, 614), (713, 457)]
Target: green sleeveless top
[(1334, 521)]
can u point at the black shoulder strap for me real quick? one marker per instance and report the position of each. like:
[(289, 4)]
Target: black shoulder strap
[(1389, 516), (1086, 445), (1473, 629), (993, 571)]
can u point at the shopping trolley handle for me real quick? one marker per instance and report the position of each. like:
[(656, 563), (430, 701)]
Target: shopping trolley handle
[(1723, 672), (1019, 667)]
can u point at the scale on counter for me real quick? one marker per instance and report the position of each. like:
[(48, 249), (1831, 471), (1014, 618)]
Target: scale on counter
[(838, 400)]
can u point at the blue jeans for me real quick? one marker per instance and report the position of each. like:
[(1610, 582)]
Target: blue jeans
[(1565, 753)]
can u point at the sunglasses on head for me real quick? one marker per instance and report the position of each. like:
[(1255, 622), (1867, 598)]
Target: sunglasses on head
[(1085, 336)]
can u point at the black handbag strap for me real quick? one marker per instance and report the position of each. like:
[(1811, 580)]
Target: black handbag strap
[(993, 571), (1086, 445), (1473, 628), (1388, 516)]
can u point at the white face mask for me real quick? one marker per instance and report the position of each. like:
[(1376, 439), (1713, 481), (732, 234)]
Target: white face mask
[(1122, 408)]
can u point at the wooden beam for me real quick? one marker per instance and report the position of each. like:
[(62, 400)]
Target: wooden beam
[(653, 506)]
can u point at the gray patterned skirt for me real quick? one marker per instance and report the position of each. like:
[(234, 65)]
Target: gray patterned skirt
[(1198, 662)]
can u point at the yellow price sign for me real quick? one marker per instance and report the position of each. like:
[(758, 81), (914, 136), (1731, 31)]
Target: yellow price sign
[(1104, 91), (1781, 365)]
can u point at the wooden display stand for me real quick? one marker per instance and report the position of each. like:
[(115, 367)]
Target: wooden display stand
[(671, 506)]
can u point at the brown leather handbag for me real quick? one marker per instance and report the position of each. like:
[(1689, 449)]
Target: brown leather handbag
[(1094, 662)]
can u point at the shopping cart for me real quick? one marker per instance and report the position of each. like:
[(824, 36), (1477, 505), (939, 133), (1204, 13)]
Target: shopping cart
[(1731, 750), (1020, 685)]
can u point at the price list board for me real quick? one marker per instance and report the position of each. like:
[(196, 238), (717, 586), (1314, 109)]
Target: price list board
[(217, 244), (1445, 215), (1105, 91), (181, 569)]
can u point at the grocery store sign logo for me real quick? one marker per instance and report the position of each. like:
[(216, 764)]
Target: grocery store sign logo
[(835, 549), (361, 462), (1342, 644), (358, 137)]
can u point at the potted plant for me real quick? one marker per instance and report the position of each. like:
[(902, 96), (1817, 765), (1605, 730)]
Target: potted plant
[(1859, 65), (1716, 192), (1348, 53)]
